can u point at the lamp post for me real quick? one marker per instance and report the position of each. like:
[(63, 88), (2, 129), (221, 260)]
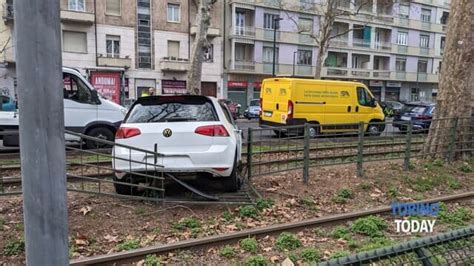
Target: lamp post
[(294, 62), (276, 23)]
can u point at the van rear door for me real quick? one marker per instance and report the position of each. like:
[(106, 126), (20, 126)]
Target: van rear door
[(275, 94)]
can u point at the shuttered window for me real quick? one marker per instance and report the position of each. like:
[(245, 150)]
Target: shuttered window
[(113, 7), (74, 41), (173, 50)]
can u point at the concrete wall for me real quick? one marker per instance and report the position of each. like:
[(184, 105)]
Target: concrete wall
[(127, 18), (127, 40), (80, 60)]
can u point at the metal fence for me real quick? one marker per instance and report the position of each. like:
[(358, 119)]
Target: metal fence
[(451, 248), (280, 149)]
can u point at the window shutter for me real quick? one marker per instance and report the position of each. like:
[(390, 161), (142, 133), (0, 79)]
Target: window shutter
[(113, 7), (75, 41), (173, 49)]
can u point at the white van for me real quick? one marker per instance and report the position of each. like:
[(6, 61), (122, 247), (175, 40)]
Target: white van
[(85, 111)]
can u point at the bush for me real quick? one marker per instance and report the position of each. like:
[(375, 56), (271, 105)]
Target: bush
[(128, 245), (287, 241), (228, 252), (256, 261), (310, 255), (249, 244), (152, 260), (371, 226), (187, 223), (264, 204), (248, 211), (14, 247)]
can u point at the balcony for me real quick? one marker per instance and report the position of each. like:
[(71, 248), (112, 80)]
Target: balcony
[(244, 65), (114, 62), (171, 64), (339, 42), (381, 74), (211, 32), (305, 38), (383, 46), (7, 12), (361, 43), (243, 31), (77, 17)]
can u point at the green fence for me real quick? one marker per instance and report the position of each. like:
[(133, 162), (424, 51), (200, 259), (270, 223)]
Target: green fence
[(280, 149)]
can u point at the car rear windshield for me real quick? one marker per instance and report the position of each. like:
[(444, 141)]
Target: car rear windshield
[(415, 109), (158, 109), (255, 103)]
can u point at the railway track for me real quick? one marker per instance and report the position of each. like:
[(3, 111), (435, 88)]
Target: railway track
[(121, 258), (69, 152)]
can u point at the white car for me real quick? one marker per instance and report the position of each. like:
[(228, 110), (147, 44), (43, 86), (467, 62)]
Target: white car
[(193, 134)]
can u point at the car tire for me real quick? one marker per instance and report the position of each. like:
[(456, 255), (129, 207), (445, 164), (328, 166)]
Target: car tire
[(314, 131), (124, 189), (102, 133), (374, 130), (233, 182)]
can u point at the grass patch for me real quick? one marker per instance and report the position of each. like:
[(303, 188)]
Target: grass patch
[(458, 217), (190, 223), (465, 168), (309, 203), (248, 211), (365, 186), (249, 244), (375, 243), (228, 252), (227, 216), (310, 255), (128, 245), (341, 232), (264, 204), (152, 260), (371, 226), (287, 241), (339, 254), (256, 261), (343, 195), (392, 192), (14, 247)]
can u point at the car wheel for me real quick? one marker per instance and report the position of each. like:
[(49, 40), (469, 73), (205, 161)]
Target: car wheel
[(313, 131), (373, 130), (233, 182), (100, 133), (124, 189)]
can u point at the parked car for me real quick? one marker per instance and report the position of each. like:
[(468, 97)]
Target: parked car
[(194, 134), (419, 113), (390, 108), (253, 110), (396, 106), (233, 107)]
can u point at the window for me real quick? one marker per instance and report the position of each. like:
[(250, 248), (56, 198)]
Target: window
[(305, 57), (74, 89), (173, 13), (415, 97), (227, 114), (268, 55), (444, 18), (400, 64), (424, 41), (363, 97), (208, 53), (422, 66), (443, 43), (402, 38), (404, 11), (74, 41), (425, 15), (270, 21), (305, 25), (77, 5), (439, 67), (113, 7), (173, 50), (113, 46)]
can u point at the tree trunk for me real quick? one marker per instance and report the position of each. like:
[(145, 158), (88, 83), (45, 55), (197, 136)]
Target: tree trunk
[(455, 88), (203, 20), (320, 61)]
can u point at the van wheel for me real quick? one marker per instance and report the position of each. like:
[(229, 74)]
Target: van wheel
[(313, 131), (124, 189), (233, 182), (374, 130), (100, 133)]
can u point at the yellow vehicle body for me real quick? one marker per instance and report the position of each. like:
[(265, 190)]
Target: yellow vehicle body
[(337, 106)]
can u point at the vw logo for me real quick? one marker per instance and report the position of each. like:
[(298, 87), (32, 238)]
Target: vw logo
[(167, 132)]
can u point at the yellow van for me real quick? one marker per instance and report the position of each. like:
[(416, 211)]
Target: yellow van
[(336, 106)]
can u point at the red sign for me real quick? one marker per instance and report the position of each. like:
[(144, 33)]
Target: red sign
[(173, 86), (257, 85), (107, 84), (237, 84)]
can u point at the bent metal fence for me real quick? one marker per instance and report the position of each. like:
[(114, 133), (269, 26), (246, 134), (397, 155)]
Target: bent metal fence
[(451, 248), (280, 149)]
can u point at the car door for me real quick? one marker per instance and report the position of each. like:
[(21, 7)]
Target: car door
[(235, 129), (364, 109)]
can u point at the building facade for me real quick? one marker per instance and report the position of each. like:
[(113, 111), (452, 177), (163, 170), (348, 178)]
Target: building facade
[(126, 47), (394, 47)]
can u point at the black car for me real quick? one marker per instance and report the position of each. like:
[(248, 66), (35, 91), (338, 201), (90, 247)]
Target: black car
[(419, 113)]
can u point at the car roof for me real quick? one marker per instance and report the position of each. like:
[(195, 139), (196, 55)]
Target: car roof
[(426, 104)]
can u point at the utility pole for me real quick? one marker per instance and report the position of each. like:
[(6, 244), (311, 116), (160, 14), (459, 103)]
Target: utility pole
[(276, 25), (39, 73)]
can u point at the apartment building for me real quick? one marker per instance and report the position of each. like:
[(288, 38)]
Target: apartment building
[(394, 48), (126, 47)]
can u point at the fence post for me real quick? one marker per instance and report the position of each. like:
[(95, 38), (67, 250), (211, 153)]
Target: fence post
[(360, 151), (306, 154), (249, 152), (406, 164), (452, 142)]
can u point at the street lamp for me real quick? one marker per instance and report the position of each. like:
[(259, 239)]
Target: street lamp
[(276, 23), (294, 62)]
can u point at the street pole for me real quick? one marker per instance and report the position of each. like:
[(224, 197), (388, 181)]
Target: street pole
[(294, 62), (39, 73), (276, 22)]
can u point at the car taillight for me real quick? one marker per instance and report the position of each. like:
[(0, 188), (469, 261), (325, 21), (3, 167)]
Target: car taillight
[(290, 110), (261, 107), (127, 132), (212, 131)]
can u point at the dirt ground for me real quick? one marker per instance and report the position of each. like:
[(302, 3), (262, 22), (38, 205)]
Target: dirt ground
[(102, 224)]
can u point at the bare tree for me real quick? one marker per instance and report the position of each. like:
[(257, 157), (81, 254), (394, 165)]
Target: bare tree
[(328, 11), (203, 21), (456, 86)]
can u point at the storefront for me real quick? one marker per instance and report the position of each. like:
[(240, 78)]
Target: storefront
[(237, 92), (144, 86), (209, 89), (173, 86), (108, 84), (375, 87), (392, 91)]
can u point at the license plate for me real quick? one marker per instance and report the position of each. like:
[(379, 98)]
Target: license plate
[(406, 118), (267, 114)]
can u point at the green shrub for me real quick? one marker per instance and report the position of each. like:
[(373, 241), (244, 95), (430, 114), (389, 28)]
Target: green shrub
[(256, 261), (187, 223), (310, 255), (228, 252), (248, 211), (128, 245), (152, 260), (341, 232), (287, 241), (264, 204), (227, 216), (371, 226), (392, 192), (249, 244), (293, 257), (14, 247), (346, 193), (465, 168)]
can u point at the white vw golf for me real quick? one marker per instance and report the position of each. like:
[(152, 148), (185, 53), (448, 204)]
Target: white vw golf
[(193, 134)]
